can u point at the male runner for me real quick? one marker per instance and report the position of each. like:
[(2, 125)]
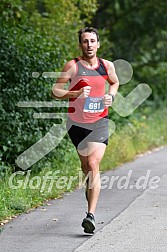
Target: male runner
[(87, 122)]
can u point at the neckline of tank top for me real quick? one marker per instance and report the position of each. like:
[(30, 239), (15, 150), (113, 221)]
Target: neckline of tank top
[(90, 68)]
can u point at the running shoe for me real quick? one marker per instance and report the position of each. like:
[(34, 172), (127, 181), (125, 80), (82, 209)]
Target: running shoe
[(89, 223)]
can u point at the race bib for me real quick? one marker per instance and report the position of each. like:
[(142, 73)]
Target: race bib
[(93, 104)]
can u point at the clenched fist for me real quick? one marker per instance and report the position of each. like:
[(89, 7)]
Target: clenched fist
[(84, 92), (108, 100)]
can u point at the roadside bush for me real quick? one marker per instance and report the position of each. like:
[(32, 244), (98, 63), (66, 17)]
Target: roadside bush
[(22, 53)]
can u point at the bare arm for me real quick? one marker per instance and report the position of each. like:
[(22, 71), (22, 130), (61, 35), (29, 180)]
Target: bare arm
[(112, 79), (58, 91), (113, 83)]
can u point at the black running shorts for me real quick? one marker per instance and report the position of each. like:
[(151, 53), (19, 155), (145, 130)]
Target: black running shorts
[(82, 133)]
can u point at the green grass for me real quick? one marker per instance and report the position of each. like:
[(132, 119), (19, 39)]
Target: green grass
[(139, 134), (23, 190)]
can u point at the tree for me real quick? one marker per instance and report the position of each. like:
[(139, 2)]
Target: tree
[(135, 31), (36, 36)]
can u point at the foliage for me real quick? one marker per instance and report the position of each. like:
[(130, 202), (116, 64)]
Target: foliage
[(22, 53), (61, 19), (135, 31), (140, 133), (33, 39)]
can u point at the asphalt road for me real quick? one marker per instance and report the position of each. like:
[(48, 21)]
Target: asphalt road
[(131, 214)]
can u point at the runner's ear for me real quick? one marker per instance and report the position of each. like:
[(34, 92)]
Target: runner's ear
[(98, 44)]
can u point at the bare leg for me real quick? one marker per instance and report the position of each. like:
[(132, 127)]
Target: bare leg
[(90, 163)]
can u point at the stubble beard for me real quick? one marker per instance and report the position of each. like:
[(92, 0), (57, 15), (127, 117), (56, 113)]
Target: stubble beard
[(89, 56)]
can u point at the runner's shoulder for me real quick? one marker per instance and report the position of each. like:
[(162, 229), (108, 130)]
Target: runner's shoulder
[(70, 67), (71, 62), (108, 64)]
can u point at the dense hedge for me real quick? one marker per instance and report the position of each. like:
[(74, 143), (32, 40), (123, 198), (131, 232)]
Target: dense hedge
[(22, 53), (35, 37)]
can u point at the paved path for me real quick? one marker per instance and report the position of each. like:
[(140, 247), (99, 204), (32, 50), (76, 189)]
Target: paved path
[(128, 219)]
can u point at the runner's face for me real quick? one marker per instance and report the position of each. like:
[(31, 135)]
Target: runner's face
[(89, 44)]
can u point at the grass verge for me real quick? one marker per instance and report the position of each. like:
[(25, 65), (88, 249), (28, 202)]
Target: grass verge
[(139, 134)]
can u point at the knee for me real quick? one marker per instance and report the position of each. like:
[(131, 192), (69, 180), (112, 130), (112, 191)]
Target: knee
[(93, 165)]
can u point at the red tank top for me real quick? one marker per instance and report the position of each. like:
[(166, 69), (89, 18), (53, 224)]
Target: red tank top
[(90, 109)]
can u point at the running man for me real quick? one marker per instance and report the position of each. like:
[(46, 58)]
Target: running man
[(87, 122)]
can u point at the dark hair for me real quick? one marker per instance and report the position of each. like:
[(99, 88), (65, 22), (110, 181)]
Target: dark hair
[(88, 29)]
